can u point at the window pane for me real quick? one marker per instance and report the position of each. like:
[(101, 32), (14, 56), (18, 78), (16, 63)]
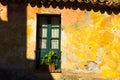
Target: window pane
[(43, 20), (55, 44), (55, 21), (44, 32), (44, 42), (44, 25), (55, 25), (55, 33)]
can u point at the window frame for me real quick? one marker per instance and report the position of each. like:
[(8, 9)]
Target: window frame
[(48, 38)]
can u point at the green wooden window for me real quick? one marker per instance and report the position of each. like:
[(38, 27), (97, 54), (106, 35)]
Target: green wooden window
[(49, 35)]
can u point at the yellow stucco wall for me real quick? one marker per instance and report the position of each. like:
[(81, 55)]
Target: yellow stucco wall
[(90, 41), (86, 37)]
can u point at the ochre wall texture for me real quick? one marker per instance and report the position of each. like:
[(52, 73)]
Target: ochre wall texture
[(90, 41)]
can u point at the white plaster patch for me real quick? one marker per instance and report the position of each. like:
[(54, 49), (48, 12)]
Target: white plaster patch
[(92, 66)]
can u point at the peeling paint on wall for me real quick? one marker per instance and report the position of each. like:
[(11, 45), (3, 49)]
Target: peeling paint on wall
[(86, 37), (90, 40)]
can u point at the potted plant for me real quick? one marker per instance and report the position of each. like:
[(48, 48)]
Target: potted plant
[(49, 59)]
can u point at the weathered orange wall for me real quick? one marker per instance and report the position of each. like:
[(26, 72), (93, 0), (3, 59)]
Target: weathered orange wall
[(90, 40), (3, 13)]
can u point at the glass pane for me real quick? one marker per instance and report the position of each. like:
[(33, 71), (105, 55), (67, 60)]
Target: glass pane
[(55, 25), (55, 33), (55, 44), (55, 21), (44, 32), (44, 42), (44, 25), (43, 21)]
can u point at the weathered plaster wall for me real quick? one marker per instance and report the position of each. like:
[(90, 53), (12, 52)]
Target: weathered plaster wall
[(90, 41)]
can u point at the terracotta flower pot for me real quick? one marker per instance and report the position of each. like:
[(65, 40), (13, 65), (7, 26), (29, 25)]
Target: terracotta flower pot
[(51, 67)]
